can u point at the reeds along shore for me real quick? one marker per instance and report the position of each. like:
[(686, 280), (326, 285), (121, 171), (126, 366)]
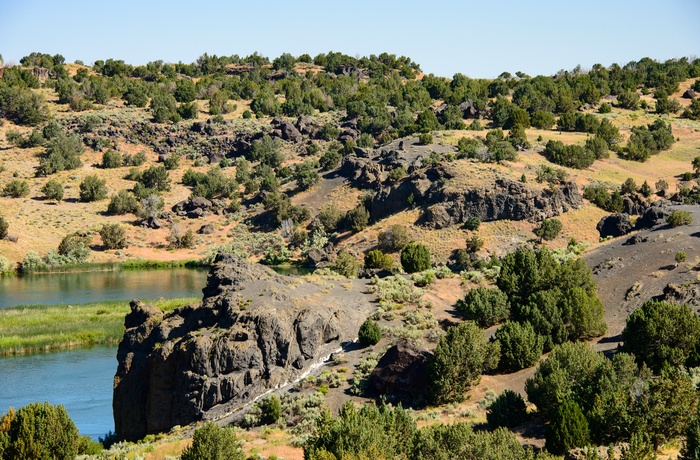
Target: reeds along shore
[(28, 329)]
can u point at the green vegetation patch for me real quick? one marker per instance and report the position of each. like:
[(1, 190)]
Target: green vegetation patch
[(39, 328)]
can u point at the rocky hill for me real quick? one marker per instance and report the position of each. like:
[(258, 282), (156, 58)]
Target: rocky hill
[(254, 331)]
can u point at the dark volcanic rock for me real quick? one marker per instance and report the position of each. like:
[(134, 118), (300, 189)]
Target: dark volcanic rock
[(654, 215), (687, 294), (614, 225), (207, 229), (287, 130), (634, 204), (443, 206), (252, 333), (402, 373)]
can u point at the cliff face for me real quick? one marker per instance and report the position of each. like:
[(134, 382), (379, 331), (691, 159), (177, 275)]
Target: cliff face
[(443, 206), (255, 330)]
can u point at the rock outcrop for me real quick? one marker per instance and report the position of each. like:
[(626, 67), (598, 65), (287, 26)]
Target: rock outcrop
[(254, 331), (444, 205), (614, 225), (402, 373)]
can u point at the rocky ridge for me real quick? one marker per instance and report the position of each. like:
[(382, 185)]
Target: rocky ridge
[(254, 331)]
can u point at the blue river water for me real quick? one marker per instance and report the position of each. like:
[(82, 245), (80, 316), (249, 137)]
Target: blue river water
[(81, 380)]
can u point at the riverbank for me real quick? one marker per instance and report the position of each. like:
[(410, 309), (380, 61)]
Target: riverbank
[(133, 264), (30, 329)]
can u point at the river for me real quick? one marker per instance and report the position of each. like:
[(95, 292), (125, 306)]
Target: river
[(67, 288), (81, 380)]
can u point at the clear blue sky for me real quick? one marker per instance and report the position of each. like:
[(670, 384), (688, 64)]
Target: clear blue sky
[(478, 38)]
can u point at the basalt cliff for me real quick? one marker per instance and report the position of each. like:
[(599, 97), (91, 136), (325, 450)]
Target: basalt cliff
[(254, 331)]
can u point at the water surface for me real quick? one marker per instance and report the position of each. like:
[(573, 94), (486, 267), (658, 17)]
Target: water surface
[(78, 288), (81, 380)]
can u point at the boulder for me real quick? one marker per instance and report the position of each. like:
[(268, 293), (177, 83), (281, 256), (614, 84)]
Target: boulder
[(634, 204), (251, 334), (402, 373), (654, 215), (690, 94), (614, 225), (287, 130), (207, 229)]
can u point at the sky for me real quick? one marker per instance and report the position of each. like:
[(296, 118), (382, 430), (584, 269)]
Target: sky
[(479, 39)]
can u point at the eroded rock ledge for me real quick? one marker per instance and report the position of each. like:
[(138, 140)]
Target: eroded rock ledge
[(443, 206), (254, 331)]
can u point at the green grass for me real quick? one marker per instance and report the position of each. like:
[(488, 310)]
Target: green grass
[(39, 328), (139, 264)]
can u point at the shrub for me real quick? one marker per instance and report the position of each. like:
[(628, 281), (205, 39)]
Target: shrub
[(485, 306), (377, 259), (330, 217), (521, 346), (474, 244), (507, 410), (661, 334), (211, 442), (604, 108), (472, 223), (92, 188), (370, 333), (41, 431), (680, 257), (124, 202), (179, 238), (358, 218), (4, 226), (172, 162), (306, 175), (113, 236), (678, 218), (62, 153), (53, 190), (346, 265), (425, 138), (271, 410), (457, 363), (16, 189), (568, 429), (75, 248), (424, 278), (542, 120), (393, 238), (415, 258), (156, 177), (112, 159), (548, 229), (573, 156)]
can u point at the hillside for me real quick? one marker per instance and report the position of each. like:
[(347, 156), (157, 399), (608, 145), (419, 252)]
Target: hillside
[(453, 225)]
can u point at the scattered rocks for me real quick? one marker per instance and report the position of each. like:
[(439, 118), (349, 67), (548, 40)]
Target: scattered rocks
[(683, 293), (194, 207), (636, 239), (286, 130), (614, 225)]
